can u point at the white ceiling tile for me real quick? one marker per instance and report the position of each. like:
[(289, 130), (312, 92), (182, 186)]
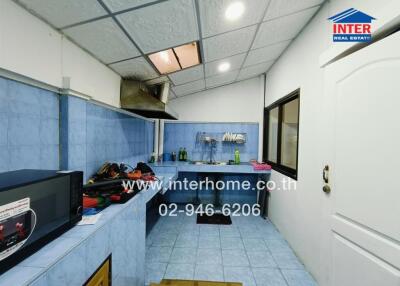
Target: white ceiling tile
[(187, 75), (171, 94), (231, 43), (264, 54), (234, 61), (282, 29), (255, 70), (157, 27), (190, 87), (157, 80), (279, 8), (137, 68), (104, 39), (212, 14), (64, 13), (119, 5), (222, 79)]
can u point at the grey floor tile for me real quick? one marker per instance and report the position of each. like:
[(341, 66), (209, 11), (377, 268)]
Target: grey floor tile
[(250, 232), (209, 242), (155, 272), (209, 230), (287, 260), (229, 231), (248, 251), (268, 277), (209, 272), (239, 274), (261, 259), (209, 256), (278, 245), (232, 243), (179, 271), (234, 257), (158, 254), (186, 240), (183, 255), (298, 278), (254, 244), (164, 239)]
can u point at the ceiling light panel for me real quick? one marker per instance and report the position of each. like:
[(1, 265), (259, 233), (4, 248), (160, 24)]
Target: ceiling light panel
[(189, 88), (104, 39), (265, 54), (255, 70), (282, 29), (162, 26), (221, 79), (187, 75), (119, 5), (165, 61), (137, 68), (188, 55), (228, 44), (64, 13), (279, 8), (235, 63), (213, 15)]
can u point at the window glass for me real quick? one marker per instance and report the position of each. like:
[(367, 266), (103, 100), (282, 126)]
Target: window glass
[(290, 115), (273, 134)]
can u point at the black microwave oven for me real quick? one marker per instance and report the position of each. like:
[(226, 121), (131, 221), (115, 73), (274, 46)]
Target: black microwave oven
[(36, 206)]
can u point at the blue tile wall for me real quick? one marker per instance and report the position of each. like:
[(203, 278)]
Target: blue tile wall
[(92, 134), (178, 135), (29, 127)]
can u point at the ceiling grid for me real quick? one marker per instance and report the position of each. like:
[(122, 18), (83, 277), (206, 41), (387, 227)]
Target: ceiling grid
[(246, 44)]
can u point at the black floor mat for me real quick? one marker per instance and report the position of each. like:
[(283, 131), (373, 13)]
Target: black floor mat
[(213, 219)]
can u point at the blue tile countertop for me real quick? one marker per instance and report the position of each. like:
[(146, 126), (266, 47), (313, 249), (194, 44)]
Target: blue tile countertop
[(243, 168), (75, 255)]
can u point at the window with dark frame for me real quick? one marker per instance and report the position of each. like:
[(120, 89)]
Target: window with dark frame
[(281, 132)]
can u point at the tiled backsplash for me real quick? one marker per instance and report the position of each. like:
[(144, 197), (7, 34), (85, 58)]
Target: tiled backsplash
[(92, 134), (29, 124), (178, 135)]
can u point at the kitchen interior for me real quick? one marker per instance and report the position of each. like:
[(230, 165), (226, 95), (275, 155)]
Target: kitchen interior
[(114, 112)]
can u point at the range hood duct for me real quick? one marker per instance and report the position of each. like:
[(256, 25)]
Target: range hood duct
[(150, 102)]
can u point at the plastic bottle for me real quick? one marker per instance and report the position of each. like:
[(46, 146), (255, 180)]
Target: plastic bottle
[(184, 154), (237, 156), (180, 154)]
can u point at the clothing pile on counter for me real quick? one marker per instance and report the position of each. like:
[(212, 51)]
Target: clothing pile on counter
[(106, 186)]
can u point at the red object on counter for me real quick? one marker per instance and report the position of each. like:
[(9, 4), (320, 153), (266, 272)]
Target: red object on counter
[(90, 202), (261, 166)]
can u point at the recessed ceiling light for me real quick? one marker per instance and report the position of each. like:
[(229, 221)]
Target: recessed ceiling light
[(223, 67), (234, 11)]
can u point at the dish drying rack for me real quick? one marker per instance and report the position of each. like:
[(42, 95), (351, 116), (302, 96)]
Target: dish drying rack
[(224, 137)]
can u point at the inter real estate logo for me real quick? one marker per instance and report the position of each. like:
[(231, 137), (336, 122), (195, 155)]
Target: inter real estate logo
[(351, 26)]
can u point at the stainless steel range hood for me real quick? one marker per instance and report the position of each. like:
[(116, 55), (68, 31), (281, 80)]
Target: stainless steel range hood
[(146, 101)]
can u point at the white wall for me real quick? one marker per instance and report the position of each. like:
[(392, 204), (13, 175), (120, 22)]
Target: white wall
[(301, 215), (238, 102), (31, 48)]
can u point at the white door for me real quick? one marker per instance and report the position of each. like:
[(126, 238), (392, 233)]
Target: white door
[(362, 113)]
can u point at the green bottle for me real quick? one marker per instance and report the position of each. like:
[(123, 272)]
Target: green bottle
[(180, 154), (237, 156), (184, 154)]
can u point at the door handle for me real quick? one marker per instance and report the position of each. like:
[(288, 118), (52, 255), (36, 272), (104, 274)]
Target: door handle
[(325, 174)]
